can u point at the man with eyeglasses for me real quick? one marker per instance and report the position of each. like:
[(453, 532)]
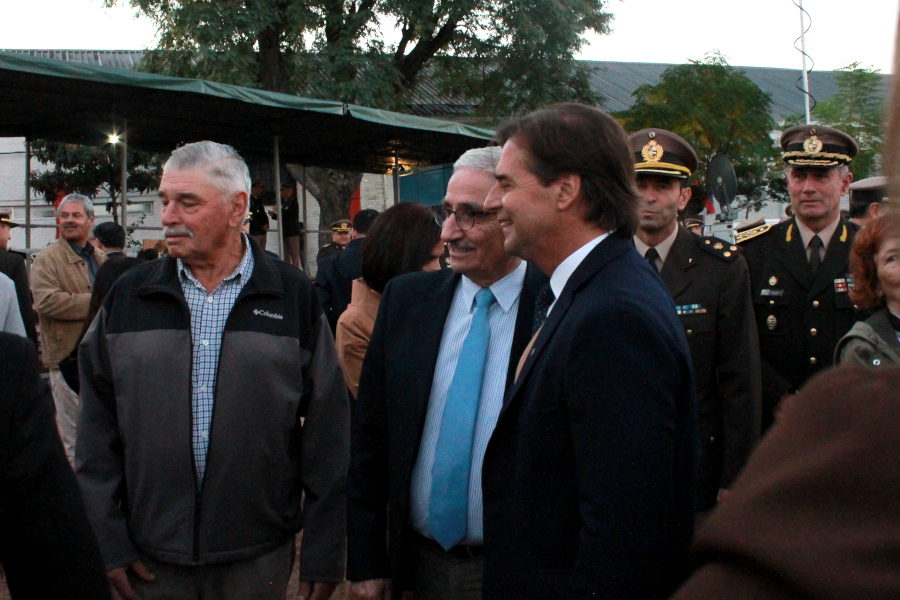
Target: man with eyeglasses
[(443, 352)]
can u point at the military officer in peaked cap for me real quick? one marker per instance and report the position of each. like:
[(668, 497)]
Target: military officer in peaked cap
[(799, 268), (709, 282), (340, 237), (866, 198)]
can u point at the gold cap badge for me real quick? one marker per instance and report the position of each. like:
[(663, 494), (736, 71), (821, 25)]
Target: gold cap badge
[(812, 145), (652, 152)]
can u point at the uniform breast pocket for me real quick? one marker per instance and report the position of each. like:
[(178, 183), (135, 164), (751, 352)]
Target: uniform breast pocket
[(697, 327), (771, 313), (844, 313)]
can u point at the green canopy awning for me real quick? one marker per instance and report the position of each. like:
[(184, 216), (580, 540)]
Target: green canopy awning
[(76, 103)]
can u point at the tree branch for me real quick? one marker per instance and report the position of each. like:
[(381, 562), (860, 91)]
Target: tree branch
[(411, 64)]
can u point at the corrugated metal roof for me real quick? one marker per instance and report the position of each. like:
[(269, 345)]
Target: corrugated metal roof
[(614, 81), (116, 59)]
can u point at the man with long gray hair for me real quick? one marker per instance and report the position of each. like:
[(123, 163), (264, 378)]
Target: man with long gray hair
[(214, 421), (442, 354), (61, 280)]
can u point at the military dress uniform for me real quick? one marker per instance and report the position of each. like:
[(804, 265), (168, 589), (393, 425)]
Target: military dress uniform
[(800, 318), (800, 315), (709, 282), (708, 279)]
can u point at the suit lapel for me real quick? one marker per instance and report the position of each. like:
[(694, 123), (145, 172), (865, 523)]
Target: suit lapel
[(427, 341), (682, 256), (605, 252), (836, 260)]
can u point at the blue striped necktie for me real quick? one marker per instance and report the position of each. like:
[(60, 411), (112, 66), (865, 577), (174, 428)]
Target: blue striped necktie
[(448, 507)]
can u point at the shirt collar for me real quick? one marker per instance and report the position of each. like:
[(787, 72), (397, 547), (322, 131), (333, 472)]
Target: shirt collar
[(241, 274), (565, 269), (662, 248), (86, 251), (506, 289), (806, 234)]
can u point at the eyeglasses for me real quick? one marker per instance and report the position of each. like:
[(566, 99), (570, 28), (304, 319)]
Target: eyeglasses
[(465, 216)]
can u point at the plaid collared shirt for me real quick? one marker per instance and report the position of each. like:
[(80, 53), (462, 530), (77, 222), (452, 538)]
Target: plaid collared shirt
[(209, 311)]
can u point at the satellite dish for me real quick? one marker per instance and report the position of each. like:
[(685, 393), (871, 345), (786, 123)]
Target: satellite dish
[(722, 180)]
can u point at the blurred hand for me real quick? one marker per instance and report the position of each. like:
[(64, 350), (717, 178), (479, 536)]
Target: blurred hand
[(118, 580), (370, 589), (315, 590)]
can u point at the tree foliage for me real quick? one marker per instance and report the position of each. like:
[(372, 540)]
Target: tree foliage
[(89, 170), (374, 52), (857, 109), (717, 109)]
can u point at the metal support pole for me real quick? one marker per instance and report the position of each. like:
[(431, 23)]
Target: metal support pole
[(277, 153), (123, 160), (803, 52), (27, 194), (396, 170), (303, 246)]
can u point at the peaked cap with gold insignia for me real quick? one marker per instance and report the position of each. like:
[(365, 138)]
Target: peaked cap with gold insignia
[(5, 219), (817, 146), (661, 152), (342, 226)]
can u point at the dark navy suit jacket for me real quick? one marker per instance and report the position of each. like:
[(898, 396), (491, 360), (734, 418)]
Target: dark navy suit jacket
[(589, 476)]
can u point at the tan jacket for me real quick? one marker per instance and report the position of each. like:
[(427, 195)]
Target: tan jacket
[(62, 292), (354, 330)]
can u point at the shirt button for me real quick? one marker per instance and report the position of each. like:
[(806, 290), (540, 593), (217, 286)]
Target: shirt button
[(209, 299), (813, 331), (202, 388), (206, 342), (815, 304), (812, 360), (204, 435)]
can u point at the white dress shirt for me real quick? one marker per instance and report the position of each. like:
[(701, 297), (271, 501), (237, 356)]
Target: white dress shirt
[(565, 269), (502, 322)]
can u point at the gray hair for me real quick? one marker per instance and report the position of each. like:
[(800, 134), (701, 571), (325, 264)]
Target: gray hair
[(226, 169), (83, 200), (479, 159)]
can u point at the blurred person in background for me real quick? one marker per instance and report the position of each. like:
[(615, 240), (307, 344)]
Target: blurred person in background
[(10, 317), (259, 220), (867, 199), (109, 237), (12, 264), (333, 284), (875, 265), (111, 270), (47, 547), (403, 239), (62, 278)]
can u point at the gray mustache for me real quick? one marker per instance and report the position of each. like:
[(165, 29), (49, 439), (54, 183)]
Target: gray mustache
[(167, 231), (461, 245)]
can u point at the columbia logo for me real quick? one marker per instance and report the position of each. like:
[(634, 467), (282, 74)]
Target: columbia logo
[(265, 313)]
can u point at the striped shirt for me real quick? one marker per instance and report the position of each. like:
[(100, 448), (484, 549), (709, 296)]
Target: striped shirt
[(502, 320), (209, 311)]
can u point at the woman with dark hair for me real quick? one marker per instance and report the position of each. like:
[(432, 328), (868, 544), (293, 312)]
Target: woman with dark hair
[(109, 272), (404, 239), (875, 264)]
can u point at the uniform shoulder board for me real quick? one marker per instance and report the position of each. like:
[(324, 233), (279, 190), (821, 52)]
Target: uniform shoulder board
[(749, 234), (718, 247)]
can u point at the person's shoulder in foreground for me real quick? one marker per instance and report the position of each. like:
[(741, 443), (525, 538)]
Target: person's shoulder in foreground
[(813, 515), (47, 546)]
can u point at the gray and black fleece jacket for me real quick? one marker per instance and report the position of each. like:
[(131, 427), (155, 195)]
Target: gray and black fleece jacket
[(278, 443)]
